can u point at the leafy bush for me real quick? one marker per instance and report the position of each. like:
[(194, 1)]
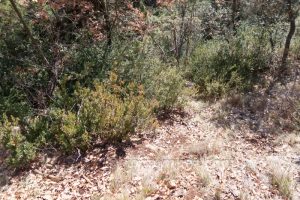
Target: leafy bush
[(113, 111), (218, 67), (110, 111), (68, 132), (161, 81), (166, 86), (21, 151), (16, 58)]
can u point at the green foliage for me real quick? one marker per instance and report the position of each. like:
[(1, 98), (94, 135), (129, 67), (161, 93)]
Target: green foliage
[(74, 101), (167, 86), (68, 132), (218, 67), (13, 59), (114, 111), (21, 152), (109, 111), (140, 63), (87, 63), (13, 102)]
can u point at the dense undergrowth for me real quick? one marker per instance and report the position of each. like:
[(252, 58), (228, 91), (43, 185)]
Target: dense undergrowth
[(72, 75)]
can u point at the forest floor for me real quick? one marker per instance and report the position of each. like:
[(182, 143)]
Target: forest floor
[(194, 154)]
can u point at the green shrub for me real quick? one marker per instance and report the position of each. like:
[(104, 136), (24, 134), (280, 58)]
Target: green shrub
[(109, 111), (13, 101), (21, 152), (218, 67), (16, 57), (161, 81), (166, 86), (68, 131), (112, 111)]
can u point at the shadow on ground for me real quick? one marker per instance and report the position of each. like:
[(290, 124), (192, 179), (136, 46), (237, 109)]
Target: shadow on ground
[(261, 113), (102, 155)]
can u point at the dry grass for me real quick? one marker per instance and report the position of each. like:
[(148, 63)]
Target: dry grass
[(147, 188), (291, 139), (119, 177), (282, 180), (120, 196), (133, 175), (203, 176), (168, 170), (244, 195), (205, 148), (236, 100)]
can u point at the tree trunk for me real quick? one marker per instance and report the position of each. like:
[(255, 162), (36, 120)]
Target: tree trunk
[(279, 76), (292, 21)]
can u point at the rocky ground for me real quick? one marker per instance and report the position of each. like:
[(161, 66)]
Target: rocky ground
[(190, 156)]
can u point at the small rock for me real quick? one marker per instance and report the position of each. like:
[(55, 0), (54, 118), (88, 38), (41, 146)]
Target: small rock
[(264, 187), (47, 197), (171, 184), (54, 178), (234, 191), (105, 168), (152, 147)]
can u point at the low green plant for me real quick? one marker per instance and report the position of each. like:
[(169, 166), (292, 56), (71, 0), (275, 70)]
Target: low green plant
[(166, 87), (21, 152), (113, 111), (161, 81), (68, 131), (219, 67), (110, 111)]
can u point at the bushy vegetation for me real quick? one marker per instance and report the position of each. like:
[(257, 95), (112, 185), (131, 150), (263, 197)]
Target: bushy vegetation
[(219, 67), (108, 111), (75, 73)]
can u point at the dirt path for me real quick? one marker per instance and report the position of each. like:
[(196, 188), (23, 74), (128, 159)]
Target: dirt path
[(189, 157)]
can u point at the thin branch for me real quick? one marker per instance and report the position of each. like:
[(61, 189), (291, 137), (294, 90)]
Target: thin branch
[(33, 40)]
